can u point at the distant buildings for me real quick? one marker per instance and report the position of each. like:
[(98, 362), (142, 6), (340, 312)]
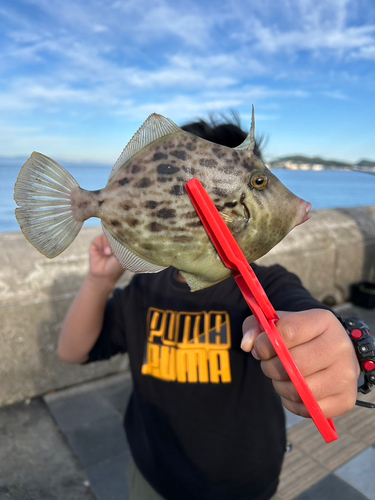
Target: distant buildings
[(290, 165), (317, 164)]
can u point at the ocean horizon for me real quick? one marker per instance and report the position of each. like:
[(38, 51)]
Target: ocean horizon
[(324, 189)]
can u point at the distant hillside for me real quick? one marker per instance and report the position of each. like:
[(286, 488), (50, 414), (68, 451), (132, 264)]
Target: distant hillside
[(366, 163), (317, 163)]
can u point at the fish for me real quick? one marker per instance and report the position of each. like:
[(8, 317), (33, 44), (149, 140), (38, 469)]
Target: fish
[(145, 210)]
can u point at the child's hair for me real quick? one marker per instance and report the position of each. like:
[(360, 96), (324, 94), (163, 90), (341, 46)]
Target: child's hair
[(228, 133)]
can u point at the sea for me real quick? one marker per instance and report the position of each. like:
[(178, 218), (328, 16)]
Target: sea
[(324, 189)]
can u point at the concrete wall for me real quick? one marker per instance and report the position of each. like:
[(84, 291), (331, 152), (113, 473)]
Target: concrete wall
[(331, 251), (334, 249), (35, 293)]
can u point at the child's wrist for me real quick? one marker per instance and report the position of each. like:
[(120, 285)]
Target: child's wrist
[(102, 283)]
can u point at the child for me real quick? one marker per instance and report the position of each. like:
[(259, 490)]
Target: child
[(205, 420)]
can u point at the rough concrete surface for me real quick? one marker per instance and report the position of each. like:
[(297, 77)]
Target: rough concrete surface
[(35, 461)]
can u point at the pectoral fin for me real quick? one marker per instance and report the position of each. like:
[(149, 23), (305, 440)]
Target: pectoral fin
[(128, 259), (196, 282)]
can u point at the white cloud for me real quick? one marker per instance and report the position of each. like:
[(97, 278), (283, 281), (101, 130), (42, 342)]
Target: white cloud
[(367, 52), (164, 20), (335, 94), (138, 21), (271, 40), (307, 25), (97, 28), (81, 61)]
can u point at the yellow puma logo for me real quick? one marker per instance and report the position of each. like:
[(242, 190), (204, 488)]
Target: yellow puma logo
[(188, 347)]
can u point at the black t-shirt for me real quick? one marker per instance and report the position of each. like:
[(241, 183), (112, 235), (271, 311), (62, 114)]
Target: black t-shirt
[(203, 422)]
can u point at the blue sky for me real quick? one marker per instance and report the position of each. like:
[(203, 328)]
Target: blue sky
[(78, 77)]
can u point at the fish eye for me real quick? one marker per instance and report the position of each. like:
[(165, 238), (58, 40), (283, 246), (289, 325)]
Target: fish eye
[(258, 181)]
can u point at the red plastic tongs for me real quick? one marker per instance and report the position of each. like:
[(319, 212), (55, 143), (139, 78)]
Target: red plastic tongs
[(255, 296)]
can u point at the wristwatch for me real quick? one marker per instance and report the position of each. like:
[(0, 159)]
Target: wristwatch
[(364, 345)]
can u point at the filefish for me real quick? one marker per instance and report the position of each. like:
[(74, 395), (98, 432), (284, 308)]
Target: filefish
[(146, 212)]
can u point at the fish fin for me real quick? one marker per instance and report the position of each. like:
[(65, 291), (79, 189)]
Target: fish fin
[(42, 192), (227, 217), (155, 127), (127, 258), (191, 280), (195, 282), (249, 143)]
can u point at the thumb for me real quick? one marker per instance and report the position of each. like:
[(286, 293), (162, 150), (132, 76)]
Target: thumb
[(107, 250), (250, 331)]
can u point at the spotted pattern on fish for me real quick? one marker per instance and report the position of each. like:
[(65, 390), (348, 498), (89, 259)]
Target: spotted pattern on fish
[(156, 228), (126, 206), (247, 165), (149, 246), (155, 219), (143, 183), (223, 193), (133, 222), (218, 153), (208, 162), (197, 223), (190, 215), (164, 179), (135, 169), (230, 204), (190, 146), (183, 239), (165, 169), (123, 181), (177, 190), (151, 204), (190, 171), (181, 155), (159, 156), (226, 170), (259, 202), (166, 213)]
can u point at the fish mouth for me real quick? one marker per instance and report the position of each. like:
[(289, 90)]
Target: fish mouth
[(245, 209), (305, 209)]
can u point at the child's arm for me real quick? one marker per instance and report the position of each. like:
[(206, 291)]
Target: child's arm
[(84, 320)]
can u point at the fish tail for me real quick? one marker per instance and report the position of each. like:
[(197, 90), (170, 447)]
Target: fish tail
[(42, 193)]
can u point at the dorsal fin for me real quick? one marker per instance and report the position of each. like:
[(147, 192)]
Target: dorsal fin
[(155, 127), (127, 258), (249, 143)]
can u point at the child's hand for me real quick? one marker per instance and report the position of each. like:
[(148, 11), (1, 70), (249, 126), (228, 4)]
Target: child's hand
[(103, 264), (323, 352)]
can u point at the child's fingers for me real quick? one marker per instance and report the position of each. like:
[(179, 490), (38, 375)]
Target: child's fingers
[(250, 331)]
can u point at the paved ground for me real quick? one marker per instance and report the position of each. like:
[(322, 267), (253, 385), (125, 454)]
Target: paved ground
[(70, 445)]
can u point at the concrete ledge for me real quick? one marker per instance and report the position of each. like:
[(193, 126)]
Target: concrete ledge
[(331, 251), (334, 249), (35, 294)]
